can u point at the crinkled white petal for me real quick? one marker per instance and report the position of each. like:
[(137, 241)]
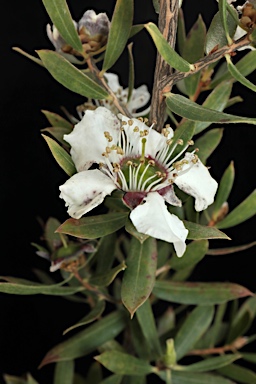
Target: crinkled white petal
[(85, 191), (154, 140), (87, 139), (153, 219), (113, 81), (197, 182), (140, 97)]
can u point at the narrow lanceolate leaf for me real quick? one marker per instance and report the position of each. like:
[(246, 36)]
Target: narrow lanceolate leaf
[(131, 72), (216, 100), (121, 24), (166, 51), (88, 340), (92, 227), (199, 293), (33, 58), (37, 289), (113, 379), (57, 133), (130, 228), (238, 76), (139, 277), (148, 327), (61, 156), (200, 232), (209, 364), (69, 76), (195, 252), (183, 133), (223, 17), (225, 186), (103, 279), (95, 313), (242, 212), (208, 143), (249, 356), (61, 18), (239, 374), (56, 120), (198, 378), (228, 250), (245, 66), (124, 364), (192, 329), (184, 107), (64, 372)]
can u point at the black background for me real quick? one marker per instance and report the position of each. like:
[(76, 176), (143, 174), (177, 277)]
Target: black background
[(30, 177)]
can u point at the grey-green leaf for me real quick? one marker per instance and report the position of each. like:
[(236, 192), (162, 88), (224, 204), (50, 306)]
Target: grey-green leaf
[(242, 212), (199, 293), (238, 75), (184, 107), (71, 77), (200, 232), (192, 329), (88, 340), (238, 373), (124, 364), (64, 372), (210, 364), (208, 143), (195, 252), (61, 156), (121, 24), (166, 51), (61, 18), (92, 227), (139, 277)]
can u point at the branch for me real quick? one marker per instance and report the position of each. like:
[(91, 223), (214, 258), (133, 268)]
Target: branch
[(237, 344), (168, 18)]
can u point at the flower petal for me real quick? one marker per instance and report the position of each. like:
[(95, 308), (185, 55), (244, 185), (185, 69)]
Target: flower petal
[(87, 139), (85, 191), (140, 97), (153, 219), (113, 81), (196, 180)]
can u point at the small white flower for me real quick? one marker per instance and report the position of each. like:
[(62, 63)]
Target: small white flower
[(139, 97), (138, 160)]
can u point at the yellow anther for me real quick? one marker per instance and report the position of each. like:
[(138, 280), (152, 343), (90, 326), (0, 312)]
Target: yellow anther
[(136, 129), (180, 141), (119, 151), (124, 122), (158, 174), (191, 142), (152, 162), (129, 163), (167, 125), (130, 122), (169, 141), (140, 118), (108, 150), (171, 181), (145, 120)]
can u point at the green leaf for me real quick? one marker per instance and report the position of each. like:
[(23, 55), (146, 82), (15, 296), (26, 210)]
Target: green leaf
[(136, 29), (183, 133), (35, 59), (88, 340), (216, 100), (105, 253), (113, 379), (198, 378), (184, 107), (166, 51), (243, 319), (121, 24), (52, 239), (104, 279), (131, 72), (56, 120), (238, 76), (198, 293), (92, 227), (61, 18), (139, 277), (249, 356), (216, 35), (61, 156), (200, 232), (25, 287), (93, 315), (224, 20), (245, 66), (242, 212), (94, 374), (130, 228), (240, 374), (208, 143), (69, 76), (192, 51), (225, 187), (64, 372), (195, 252), (181, 32), (147, 323), (18, 380), (57, 133), (228, 250), (124, 364), (156, 5), (192, 329), (209, 364)]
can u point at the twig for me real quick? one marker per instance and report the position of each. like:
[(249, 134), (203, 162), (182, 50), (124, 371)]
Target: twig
[(237, 344)]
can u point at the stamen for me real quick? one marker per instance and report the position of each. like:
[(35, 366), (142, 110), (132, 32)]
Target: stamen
[(143, 149), (130, 122), (149, 188), (142, 176)]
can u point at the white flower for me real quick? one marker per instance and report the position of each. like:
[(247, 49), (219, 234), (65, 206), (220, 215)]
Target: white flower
[(139, 97), (138, 160)]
